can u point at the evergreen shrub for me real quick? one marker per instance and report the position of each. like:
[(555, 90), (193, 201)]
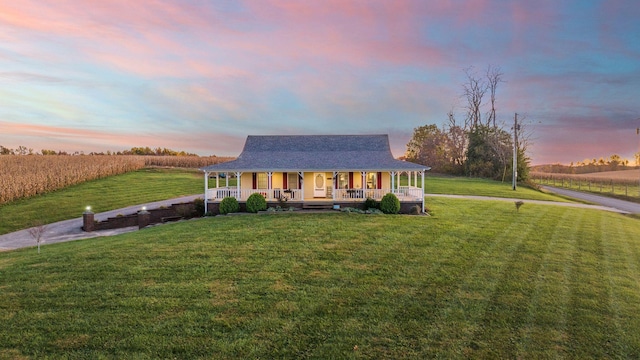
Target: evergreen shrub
[(229, 205), (390, 204), (370, 204), (256, 202), (199, 206)]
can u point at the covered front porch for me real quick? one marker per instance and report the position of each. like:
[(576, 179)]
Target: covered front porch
[(330, 187)]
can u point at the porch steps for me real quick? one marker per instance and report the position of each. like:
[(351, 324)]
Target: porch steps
[(317, 205)]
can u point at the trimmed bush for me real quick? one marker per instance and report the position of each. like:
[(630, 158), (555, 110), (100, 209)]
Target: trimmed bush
[(370, 204), (199, 206), (256, 202), (390, 204), (229, 205)]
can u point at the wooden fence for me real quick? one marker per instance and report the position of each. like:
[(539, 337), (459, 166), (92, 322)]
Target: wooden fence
[(621, 187)]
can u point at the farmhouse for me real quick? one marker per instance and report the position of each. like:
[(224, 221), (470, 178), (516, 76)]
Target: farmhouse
[(315, 171)]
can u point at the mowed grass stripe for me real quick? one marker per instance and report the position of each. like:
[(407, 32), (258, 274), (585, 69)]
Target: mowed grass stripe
[(474, 299), (512, 286), (544, 333), (622, 273), (590, 328)]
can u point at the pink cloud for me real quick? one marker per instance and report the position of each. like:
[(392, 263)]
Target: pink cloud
[(73, 139)]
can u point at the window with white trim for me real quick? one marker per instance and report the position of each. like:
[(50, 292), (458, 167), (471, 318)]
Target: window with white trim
[(292, 180), (343, 180), (372, 180), (262, 181)]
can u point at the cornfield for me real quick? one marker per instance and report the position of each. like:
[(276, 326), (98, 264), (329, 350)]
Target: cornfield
[(28, 175), (194, 162)]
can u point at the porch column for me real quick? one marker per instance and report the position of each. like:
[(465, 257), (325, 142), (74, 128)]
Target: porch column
[(269, 192), (334, 180), (206, 190), (226, 178), (217, 180), (301, 175), (364, 182), (422, 172), (238, 195), (415, 179), (398, 176), (393, 181)]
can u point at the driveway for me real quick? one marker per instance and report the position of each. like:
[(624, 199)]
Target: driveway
[(72, 229), (624, 206)]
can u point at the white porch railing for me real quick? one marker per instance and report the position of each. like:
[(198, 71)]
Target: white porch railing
[(404, 193), (217, 194)]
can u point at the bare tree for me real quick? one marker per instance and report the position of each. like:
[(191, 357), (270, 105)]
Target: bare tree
[(474, 90), (457, 143), (37, 231), (494, 77)]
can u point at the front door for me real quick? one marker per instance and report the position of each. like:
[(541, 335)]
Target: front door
[(319, 187)]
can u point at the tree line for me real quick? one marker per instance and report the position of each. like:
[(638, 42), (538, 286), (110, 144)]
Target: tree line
[(23, 150), (480, 145), (611, 163)]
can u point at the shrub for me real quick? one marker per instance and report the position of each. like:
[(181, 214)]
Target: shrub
[(229, 205), (370, 204), (256, 202), (199, 206), (415, 210), (390, 204)]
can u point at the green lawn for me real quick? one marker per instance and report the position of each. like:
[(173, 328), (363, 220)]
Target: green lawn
[(482, 187), (154, 184), (146, 185), (476, 280)]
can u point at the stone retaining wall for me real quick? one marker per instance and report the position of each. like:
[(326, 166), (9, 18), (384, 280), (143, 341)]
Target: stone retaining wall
[(141, 218)]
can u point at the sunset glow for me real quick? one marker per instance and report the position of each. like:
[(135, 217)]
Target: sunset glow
[(201, 76)]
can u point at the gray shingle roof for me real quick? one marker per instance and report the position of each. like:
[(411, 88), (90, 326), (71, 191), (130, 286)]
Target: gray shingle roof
[(292, 153)]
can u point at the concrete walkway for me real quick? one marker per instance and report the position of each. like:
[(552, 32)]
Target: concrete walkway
[(69, 230), (72, 229)]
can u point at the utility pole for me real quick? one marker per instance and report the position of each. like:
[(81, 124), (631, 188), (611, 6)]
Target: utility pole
[(515, 151)]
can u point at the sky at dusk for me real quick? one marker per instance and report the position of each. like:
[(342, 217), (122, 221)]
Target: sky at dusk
[(201, 75)]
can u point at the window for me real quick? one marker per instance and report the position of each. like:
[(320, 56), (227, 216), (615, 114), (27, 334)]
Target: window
[(372, 180), (292, 180), (342, 180), (262, 181)]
